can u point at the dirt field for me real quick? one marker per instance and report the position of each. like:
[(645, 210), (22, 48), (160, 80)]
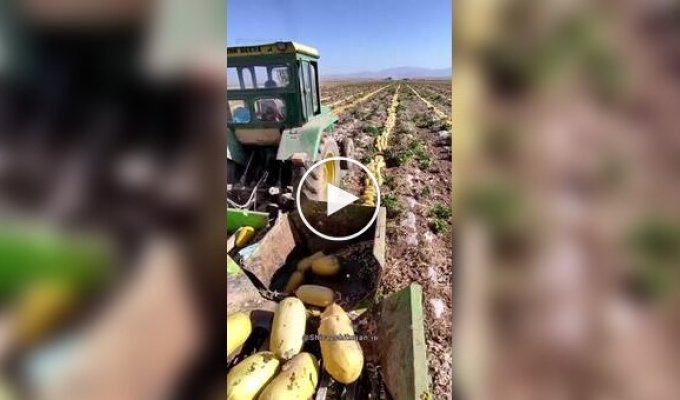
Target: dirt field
[(416, 191)]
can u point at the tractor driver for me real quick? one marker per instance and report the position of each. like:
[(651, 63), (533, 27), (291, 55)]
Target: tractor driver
[(272, 110)]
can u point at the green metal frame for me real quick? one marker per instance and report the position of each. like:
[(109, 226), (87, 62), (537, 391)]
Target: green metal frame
[(307, 138), (291, 94), (403, 350), (239, 218)]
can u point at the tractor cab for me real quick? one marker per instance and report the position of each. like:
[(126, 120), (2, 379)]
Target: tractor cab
[(277, 127), (270, 88)]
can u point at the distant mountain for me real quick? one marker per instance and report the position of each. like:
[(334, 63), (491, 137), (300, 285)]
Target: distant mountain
[(394, 73)]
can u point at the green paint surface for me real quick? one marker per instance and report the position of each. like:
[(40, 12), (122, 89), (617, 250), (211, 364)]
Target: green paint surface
[(305, 139), (403, 353), (238, 218)]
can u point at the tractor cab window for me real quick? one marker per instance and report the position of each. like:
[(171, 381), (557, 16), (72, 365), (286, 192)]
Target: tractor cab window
[(233, 81), (315, 89), (272, 76), (238, 112), (258, 77), (270, 110), (309, 88), (240, 78)]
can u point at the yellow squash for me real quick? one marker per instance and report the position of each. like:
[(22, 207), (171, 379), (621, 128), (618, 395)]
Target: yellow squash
[(297, 380), (288, 328), (295, 280), (342, 356), (304, 264), (238, 330), (42, 307), (315, 295), (247, 379), (326, 266), (244, 235)]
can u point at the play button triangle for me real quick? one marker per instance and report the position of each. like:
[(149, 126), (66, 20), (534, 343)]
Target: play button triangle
[(337, 199)]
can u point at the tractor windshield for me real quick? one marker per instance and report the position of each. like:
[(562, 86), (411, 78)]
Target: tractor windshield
[(258, 77)]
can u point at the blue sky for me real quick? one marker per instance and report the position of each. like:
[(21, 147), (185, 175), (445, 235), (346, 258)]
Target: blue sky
[(351, 35)]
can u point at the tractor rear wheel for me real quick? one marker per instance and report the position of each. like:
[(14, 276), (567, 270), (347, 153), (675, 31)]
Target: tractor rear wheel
[(347, 150), (314, 187)]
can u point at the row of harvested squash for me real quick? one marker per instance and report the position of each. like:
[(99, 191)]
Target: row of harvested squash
[(259, 376)]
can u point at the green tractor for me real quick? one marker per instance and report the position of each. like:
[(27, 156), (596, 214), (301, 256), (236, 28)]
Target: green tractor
[(277, 128)]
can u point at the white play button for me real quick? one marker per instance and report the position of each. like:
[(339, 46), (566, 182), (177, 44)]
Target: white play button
[(337, 199)]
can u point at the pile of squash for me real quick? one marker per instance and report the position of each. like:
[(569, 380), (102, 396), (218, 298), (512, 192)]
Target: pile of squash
[(284, 372)]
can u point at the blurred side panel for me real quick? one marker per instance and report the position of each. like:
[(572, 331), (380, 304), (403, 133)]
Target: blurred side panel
[(568, 228), (112, 178)]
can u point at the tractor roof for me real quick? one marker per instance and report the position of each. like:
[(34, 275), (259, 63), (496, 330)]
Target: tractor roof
[(272, 49)]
